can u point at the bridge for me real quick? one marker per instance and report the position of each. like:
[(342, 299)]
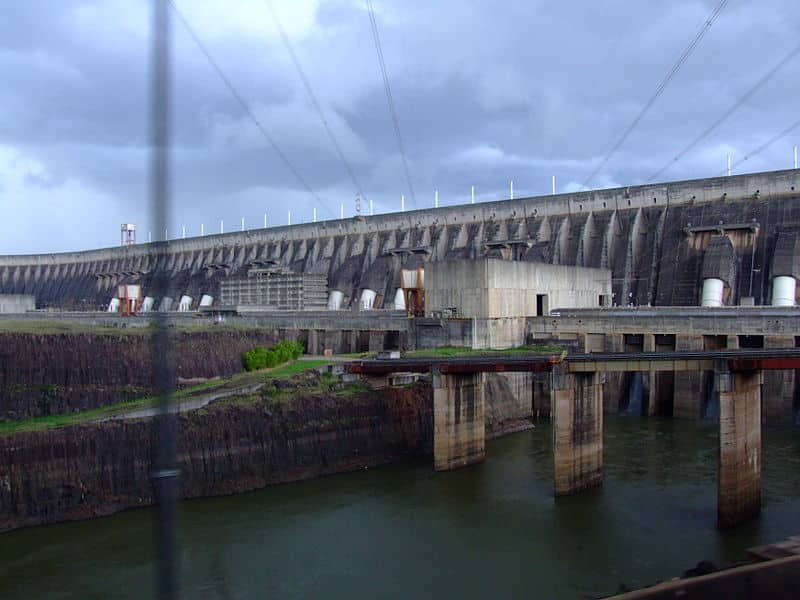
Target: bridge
[(577, 402)]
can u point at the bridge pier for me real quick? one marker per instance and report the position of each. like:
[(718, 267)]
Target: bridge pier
[(577, 404), (649, 345), (459, 430), (779, 386), (687, 402), (739, 480)]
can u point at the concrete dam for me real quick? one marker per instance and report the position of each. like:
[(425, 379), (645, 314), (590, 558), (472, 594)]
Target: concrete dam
[(726, 239)]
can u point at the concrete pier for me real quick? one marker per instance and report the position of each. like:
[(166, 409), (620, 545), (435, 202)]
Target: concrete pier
[(739, 481), (577, 402), (779, 387), (615, 382), (459, 432)]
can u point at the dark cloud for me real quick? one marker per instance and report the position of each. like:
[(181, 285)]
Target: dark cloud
[(485, 93)]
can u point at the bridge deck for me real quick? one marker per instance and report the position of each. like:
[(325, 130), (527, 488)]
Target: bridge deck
[(737, 360)]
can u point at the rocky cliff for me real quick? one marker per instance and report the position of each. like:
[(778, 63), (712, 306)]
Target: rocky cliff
[(230, 446), (85, 471)]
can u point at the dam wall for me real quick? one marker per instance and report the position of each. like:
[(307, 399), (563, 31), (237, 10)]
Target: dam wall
[(659, 241)]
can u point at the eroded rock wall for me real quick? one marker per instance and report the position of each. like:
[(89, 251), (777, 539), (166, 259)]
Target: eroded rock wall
[(44, 374), (86, 471)]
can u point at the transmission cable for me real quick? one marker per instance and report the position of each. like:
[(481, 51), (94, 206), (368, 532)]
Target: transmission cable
[(687, 52), (313, 97), (764, 146), (248, 111), (389, 98), (744, 98)]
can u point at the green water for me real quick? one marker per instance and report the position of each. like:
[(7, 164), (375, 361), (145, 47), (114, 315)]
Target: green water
[(493, 530)]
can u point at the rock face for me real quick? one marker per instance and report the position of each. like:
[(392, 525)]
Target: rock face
[(43, 374), (92, 470)]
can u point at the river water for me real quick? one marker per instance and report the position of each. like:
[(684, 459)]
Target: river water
[(493, 530)]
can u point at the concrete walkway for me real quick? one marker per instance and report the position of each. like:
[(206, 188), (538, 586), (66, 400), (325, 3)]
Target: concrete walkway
[(187, 404), (202, 399)]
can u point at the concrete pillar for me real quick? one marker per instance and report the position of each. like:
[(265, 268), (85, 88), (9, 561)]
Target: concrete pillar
[(778, 388), (649, 345), (615, 382), (577, 401), (312, 345), (688, 395), (541, 396), (459, 430), (739, 481), (376, 341), (664, 381), (332, 340)]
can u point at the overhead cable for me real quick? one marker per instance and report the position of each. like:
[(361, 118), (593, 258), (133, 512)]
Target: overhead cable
[(313, 97), (744, 98), (389, 98), (246, 108), (687, 52)]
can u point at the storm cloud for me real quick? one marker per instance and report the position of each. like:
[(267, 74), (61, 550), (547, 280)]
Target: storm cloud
[(485, 92)]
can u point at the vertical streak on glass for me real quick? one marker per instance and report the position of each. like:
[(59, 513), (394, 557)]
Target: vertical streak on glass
[(165, 472)]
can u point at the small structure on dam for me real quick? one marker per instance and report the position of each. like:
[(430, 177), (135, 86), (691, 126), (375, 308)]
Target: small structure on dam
[(496, 297), (17, 303), (278, 289), (501, 289)]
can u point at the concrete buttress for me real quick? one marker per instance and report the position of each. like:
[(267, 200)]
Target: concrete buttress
[(739, 481), (459, 431), (577, 403)]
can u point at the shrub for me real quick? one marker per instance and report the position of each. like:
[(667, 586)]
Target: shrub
[(261, 358)]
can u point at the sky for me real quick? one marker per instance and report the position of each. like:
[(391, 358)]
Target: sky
[(485, 93)]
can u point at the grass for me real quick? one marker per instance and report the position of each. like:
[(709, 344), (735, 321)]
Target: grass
[(51, 327), (447, 351), (94, 414), (295, 367), (143, 326)]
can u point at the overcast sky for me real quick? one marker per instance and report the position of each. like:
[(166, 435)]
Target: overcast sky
[(485, 92)]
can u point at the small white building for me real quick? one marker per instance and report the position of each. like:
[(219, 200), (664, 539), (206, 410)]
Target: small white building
[(17, 303), (493, 288), (498, 296)]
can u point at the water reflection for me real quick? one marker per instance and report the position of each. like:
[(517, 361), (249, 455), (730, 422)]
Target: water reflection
[(494, 529)]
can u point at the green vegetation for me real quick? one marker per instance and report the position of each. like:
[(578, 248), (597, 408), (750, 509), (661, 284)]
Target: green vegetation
[(105, 412), (48, 326), (261, 358), (280, 391), (296, 367), (447, 351)]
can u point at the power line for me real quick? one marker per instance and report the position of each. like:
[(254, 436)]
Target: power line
[(248, 111), (387, 88), (706, 132), (660, 89), (312, 96), (764, 146)]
